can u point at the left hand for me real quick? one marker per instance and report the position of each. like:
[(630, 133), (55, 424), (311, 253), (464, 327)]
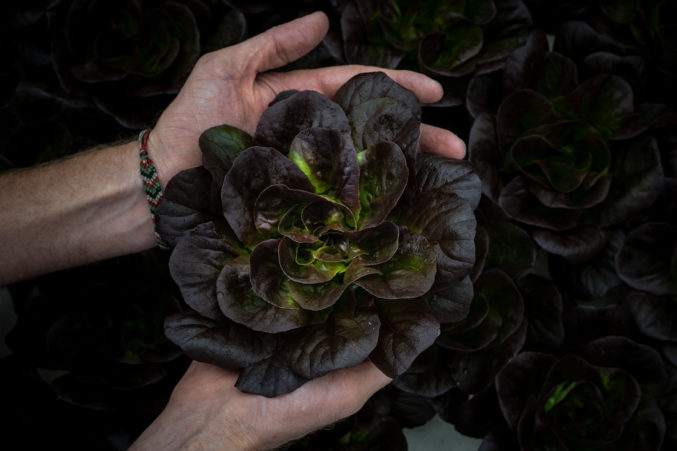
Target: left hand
[(233, 86)]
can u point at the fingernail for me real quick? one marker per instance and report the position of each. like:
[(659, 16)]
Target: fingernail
[(458, 145)]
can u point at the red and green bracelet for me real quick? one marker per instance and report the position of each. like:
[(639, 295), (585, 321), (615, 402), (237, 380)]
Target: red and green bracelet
[(151, 184)]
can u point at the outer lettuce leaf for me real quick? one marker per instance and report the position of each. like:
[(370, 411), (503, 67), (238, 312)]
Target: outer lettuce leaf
[(485, 155), (375, 85), (576, 38), (510, 249), (189, 200), (428, 376), (496, 313), (520, 203), (544, 306), (355, 25), (481, 251), (220, 146), (475, 371), (596, 278), (280, 123), (220, 342), (407, 329), (507, 31), (520, 63), (449, 226), (645, 117), (577, 245), (443, 53), (448, 175), (603, 101), (517, 381), (476, 331), (553, 76), (655, 316), (493, 331), (269, 377), (197, 261), (451, 304), (599, 318), (378, 120), (381, 110), (471, 416), (638, 173), (345, 339), (484, 93), (640, 360), (648, 259), (523, 111)]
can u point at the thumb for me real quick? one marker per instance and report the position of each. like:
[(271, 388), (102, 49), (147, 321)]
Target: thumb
[(285, 43)]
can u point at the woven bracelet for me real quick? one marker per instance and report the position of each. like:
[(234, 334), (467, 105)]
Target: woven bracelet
[(151, 184)]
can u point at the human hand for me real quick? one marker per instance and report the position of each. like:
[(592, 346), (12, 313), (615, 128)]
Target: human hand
[(233, 86), (206, 411)]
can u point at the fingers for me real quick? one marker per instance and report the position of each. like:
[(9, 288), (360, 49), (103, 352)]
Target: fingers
[(439, 141), (367, 378), (364, 379), (328, 80), (347, 390), (284, 43)]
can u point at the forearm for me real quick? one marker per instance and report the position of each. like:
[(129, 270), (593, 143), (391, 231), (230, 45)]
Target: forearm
[(79, 210)]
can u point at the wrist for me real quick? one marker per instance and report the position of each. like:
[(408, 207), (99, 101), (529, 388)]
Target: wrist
[(171, 153), (188, 427), (157, 151)]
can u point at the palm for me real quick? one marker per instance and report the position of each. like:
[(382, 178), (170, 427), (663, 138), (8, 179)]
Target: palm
[(234, 86), (236, 414), (205, 103)]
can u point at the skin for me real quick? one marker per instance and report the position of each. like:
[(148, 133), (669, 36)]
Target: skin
[(92, 207), (235, 83), (206, 412)]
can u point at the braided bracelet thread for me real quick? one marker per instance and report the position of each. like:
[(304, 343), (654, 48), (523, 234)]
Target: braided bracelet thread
[(151, 184)]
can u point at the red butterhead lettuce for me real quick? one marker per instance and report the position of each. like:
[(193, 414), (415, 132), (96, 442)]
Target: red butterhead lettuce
[(311, 245)]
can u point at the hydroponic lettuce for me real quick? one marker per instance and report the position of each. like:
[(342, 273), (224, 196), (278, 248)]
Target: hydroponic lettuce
[(131, 58), (448, 38), (604, 398), (567, 159), (321, 241)]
